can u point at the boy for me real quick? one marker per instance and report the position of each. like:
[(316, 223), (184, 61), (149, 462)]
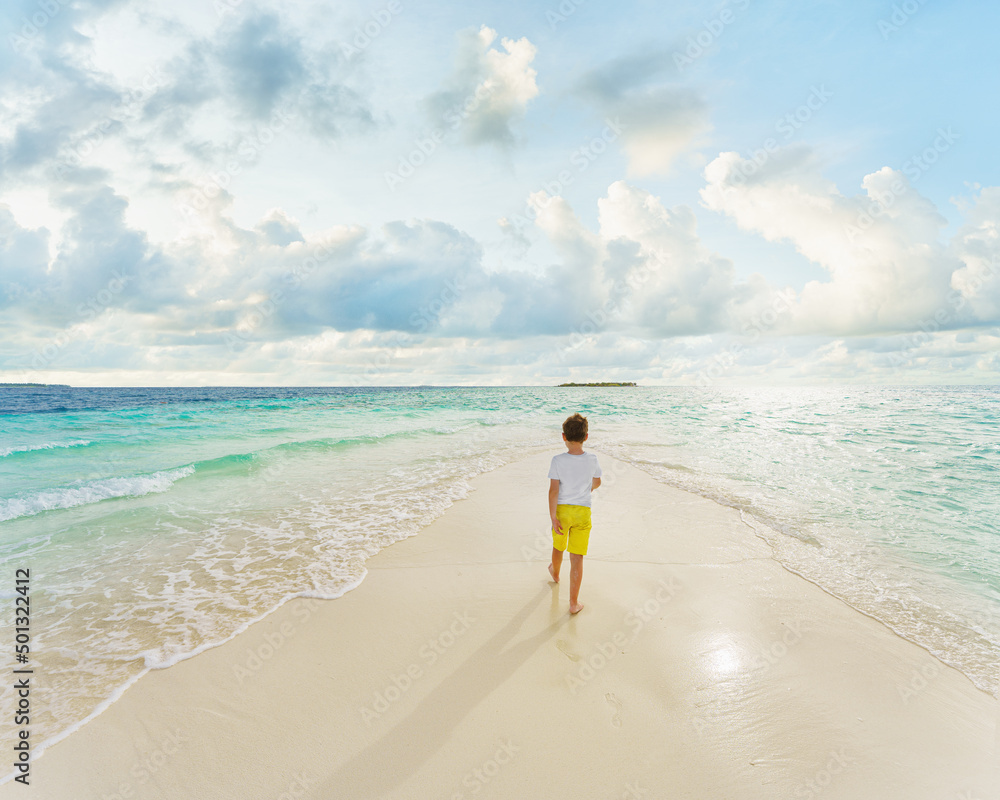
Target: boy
[(573, 475)]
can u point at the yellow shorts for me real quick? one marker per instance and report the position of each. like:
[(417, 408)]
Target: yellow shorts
[(575, 524)]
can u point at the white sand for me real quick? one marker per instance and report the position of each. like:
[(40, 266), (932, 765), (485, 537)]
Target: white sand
[(699, 668)]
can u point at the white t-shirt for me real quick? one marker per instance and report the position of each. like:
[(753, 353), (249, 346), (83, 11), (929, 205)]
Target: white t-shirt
[(575, 474)]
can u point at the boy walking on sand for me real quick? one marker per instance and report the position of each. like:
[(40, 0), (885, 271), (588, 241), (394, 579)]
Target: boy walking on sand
[(573, 475)]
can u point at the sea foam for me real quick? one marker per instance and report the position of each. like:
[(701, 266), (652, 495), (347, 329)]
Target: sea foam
[(92, 492)]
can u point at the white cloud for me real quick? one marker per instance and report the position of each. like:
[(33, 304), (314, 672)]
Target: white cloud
[(658, 126), (977, 244), (489, 89), (688, 288), (643, 272), (660, 120), (888, 270)]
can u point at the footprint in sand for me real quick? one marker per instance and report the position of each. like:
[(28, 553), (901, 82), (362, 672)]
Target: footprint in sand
[(564, 649), (615, 703)]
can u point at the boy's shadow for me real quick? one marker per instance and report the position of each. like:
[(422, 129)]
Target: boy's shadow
[(398, 754)]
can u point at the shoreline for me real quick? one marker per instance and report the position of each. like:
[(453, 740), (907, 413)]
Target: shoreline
[(427, 631)]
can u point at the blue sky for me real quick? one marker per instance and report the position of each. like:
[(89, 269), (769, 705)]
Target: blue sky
[(498, 193)]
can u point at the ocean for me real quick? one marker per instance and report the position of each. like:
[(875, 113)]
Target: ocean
[(157, 523)]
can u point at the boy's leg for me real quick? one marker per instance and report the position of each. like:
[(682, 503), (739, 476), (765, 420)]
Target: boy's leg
[(556, 563), (560, 539), (575, 579)]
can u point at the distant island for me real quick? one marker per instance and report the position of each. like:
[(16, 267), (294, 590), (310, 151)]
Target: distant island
[(606, 383), (34, 386)]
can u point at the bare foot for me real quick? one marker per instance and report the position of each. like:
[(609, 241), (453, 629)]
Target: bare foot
[(575, 609), (553, 574)]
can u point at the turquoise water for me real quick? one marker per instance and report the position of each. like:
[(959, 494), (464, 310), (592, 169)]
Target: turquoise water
[(159, 522)]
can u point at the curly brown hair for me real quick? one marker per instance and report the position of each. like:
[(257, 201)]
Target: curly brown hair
[(575, 428)]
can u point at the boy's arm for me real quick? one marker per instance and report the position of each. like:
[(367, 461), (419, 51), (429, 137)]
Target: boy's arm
[(595, 483), (553, 500)]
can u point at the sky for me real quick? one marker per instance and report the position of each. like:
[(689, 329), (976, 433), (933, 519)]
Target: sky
[(232, 192)]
